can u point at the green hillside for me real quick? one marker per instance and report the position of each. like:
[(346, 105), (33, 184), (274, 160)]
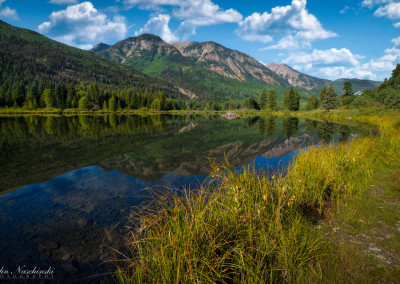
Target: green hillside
[(26, 56), (193, 71)]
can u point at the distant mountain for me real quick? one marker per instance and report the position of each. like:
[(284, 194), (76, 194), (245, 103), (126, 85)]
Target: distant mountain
[(27, 56), (314, 84), (206, 69)]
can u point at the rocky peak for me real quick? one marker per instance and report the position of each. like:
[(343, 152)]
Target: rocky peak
[(296, 78), (143, 45), (224, 61), (100, 47)]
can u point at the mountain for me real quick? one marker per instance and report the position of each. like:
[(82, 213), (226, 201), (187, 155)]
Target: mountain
[(205, 69), (27, 56), (314, 84), (296, 78)]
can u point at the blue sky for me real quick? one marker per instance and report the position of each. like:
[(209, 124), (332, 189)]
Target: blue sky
[(326, 39)]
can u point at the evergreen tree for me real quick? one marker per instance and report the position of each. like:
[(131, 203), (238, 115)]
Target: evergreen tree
[(347, 89), (312, 102), (331, 100), (105, 108), (112, 104), (18, 94), (263, 99), (348, 95), (83, 103), (3, 93), (322, 95), (251, 103), (34, 90), (162, 98), (71, 96), (291, 100), (48, 99), (61, 94), (272, 100), (94, 94)]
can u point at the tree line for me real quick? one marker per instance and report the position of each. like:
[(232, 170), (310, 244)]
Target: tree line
[(93, 96), (387, 95)]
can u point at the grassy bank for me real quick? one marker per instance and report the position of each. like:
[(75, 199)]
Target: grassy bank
[(254, 228)]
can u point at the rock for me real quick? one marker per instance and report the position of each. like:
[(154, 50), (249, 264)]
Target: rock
[(231, 115), (50, 245), (82, 222), (66, 256), (113, 235)]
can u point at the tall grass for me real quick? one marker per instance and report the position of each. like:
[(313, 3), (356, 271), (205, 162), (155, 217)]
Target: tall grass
[(253, 228)]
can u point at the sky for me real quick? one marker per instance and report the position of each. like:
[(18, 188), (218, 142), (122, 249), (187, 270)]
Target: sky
[(327, 39)]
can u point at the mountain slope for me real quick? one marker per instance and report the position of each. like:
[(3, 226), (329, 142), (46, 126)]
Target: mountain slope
[(314, 84), (26, 56), (206, 69)]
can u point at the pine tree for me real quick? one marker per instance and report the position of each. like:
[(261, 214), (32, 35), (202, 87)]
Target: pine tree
[(312, 102), (347, 89), (71, 96), (291, 100), (94, 94), (83, 103), (263, 99), (48, 99), (331, 100), (112, 104), (34, 90), (322, 95), (348, 95), (251, 103), (3, 93), (272, 100)]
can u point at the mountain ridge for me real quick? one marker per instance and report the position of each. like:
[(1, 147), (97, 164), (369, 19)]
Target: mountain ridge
[(26, 55), (314, 84), (206, 69)]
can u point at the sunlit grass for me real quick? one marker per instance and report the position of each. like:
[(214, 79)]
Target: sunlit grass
[(254, 228)]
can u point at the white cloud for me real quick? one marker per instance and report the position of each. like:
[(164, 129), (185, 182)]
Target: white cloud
[(159, 25), (192, 13), (63, 2), (288, 42), (7, 12), (396, 41), (290, 23), (82, 25), (325, 57), (372, 3), (391, 11), (396, 25), (341, 63), (344, 10)]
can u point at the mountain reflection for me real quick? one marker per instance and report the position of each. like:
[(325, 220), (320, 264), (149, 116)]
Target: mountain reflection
[(72, 181)]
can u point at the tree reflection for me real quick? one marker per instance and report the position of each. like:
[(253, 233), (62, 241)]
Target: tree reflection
[(270, 126), (251, 120), (290, 126), (345, 131), (326, 130), (311, 125)]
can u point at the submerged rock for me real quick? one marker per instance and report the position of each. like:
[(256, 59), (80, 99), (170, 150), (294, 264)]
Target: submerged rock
[(230, 115)]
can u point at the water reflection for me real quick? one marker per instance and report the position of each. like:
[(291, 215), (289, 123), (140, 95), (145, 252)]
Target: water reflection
[(78, 177), (290, 126)]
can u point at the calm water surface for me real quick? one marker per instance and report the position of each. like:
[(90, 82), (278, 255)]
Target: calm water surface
[(67, 184)]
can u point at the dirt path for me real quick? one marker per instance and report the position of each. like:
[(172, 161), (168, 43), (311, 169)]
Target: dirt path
[(364, 235)]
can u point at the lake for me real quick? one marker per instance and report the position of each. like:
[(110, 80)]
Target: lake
[(68, 183)]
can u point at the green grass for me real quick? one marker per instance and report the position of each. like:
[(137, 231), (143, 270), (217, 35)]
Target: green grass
[(252, 228)]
